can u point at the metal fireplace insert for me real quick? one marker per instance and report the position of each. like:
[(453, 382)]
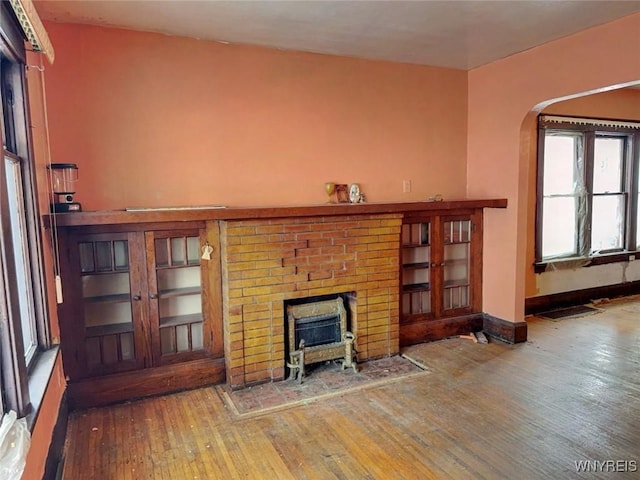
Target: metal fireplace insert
[(317, 333)]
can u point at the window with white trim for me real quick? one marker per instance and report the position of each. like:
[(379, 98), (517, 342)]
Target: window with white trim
[(588, 188)]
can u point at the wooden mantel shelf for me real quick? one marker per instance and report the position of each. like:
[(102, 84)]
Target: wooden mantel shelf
[(112, 217)]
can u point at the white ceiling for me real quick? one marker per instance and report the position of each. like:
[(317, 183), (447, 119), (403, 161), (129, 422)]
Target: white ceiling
[(454, 33)]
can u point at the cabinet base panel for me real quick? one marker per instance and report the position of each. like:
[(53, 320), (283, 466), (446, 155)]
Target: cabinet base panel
[(430, 330), (510, 332), (99, 391)]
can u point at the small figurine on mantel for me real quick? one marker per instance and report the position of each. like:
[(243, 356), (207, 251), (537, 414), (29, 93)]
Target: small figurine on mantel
[(436, 198)]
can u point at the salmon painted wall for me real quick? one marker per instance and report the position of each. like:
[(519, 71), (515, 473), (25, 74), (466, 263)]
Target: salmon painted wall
[(154, 120), (504, 98), (622, 104)]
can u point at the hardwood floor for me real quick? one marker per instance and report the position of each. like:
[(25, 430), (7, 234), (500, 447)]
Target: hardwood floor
[(496, 411)]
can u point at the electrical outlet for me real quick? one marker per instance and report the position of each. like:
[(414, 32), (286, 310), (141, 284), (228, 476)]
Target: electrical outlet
[(632, 258), (406, 186)]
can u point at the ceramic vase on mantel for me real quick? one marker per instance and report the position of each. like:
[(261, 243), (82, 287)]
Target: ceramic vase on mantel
[(330, 188), (354, 193)]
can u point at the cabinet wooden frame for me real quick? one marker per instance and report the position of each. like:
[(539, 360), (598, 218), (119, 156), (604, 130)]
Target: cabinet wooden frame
[(441, 321), (72, 315)]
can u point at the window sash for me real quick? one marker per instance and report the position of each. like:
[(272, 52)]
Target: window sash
[(559, 233), (21, 254), (608, 221)]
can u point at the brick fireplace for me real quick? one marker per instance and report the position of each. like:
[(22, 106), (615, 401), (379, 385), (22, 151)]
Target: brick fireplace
[(266, 262)]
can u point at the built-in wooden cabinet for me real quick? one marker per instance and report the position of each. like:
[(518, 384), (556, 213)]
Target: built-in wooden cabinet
[(136, 301), (441, 275)]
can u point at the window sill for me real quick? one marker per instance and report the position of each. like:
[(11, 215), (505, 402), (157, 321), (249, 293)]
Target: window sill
[(39, 380), (618, 257)]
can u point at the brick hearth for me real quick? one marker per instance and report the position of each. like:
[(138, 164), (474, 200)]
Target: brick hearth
[(266, 262)]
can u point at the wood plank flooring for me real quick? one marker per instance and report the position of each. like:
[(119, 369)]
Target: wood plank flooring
[(527, 411)]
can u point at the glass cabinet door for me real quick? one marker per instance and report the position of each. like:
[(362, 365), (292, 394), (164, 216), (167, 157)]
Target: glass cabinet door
[(416, 274), (176, 297), (456, 266), (107, 304)]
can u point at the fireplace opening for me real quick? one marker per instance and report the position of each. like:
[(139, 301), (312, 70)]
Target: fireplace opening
[(317, 330)]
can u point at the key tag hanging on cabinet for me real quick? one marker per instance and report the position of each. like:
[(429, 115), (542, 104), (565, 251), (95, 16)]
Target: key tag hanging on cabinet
[(207, 250)]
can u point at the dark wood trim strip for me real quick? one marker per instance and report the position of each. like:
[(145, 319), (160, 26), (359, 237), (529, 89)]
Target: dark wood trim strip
[(55, 457), (543, 303), (111, 217), (510, 332)]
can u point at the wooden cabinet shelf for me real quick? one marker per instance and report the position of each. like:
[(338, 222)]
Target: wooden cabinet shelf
[(113, 329), (414, 266), (115, 298), (180, 320), (179, 292), (455, 283), (177, 266), (415, 287)]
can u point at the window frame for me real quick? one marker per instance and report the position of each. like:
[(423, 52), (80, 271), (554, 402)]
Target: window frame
[(592, 129), (14, 369)]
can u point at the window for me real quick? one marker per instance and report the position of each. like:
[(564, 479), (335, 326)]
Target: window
[(23, 322), (588, 188)]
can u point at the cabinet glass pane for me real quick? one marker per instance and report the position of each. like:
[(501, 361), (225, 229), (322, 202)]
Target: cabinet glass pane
[(126, 346), (167, 340), (416, 302), (87, 264), (186, 337), (162, 252), (458, 231), (197, 342), (121, 254), (193, 250), (178, 251), (109, 349), (97, 286), (180, 305), (418, 276), (456, 264), (415, 234), (103, 257), (456, 297), (93, 351), (178, 278), (100, 314), (415, 255), (182, 338)]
